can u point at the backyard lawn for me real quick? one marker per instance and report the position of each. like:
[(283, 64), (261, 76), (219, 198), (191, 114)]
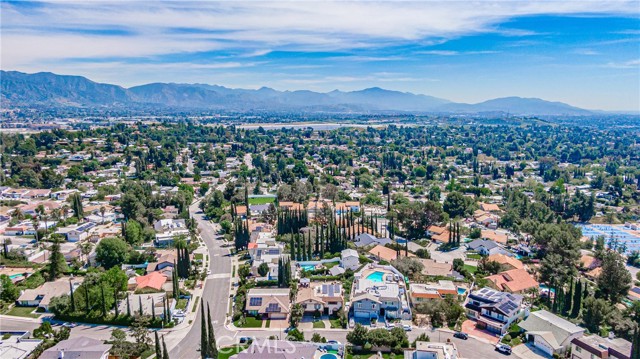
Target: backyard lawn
[(23, 312), (470, 269), (262, 200)]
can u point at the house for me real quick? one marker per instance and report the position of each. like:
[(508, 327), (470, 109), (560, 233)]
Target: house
[(41, 296), (349, 259), (15, 230), (325, 298), (150, 303), (421, 293), (265, 249), (268, 302), (494, 310), (494, 236), (164, 260), (367, 239), (489, 207), (506, 261), (589, 262), (386, 253), (153, 280), (550, 333), (279, 349), (76, 233), (168, 229), (439, 234), (437, 269), (595, 346), (429, 350), (17, 345), (380, 291), (485, 247), (513, 281), (78, 348)]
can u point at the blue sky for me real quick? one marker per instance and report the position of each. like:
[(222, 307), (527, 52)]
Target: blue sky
[(585, 53)]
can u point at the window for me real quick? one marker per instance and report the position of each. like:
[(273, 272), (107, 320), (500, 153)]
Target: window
[(254, 302), (359, 305), (578, 349)]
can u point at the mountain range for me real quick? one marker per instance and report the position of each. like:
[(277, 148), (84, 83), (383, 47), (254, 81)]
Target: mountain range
[(19, 89)]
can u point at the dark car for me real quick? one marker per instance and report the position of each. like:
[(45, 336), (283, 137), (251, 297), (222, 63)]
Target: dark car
[(245, 340), (461, 335)]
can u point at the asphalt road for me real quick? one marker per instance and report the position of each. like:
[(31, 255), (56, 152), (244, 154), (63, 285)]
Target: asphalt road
[(215, 291)]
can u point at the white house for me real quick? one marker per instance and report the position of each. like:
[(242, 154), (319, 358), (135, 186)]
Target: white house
[(550, 333), (77, 233), (349, 259)]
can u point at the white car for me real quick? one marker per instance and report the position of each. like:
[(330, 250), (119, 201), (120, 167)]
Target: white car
[(208, 271)]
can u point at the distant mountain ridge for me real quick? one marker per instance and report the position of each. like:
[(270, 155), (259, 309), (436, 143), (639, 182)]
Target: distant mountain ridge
[(48, 89)]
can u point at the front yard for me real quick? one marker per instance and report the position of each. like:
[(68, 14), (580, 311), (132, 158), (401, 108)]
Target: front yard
[(23, 312)]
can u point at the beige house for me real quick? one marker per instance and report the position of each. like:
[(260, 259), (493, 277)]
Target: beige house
[(325, 298), (272, 303)]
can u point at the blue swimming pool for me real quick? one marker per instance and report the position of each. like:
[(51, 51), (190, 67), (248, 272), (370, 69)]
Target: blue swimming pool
[(461, 291), (376, 276), (308, 267), (329, 356)]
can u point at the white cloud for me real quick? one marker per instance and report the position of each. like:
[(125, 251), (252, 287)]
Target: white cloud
[(631, 64), (256, 27)]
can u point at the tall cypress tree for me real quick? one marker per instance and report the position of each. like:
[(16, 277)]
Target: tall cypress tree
[(158, 350), (204, 345), (140, 305), (577, 299), (566, 309), (211, 341), (165, 352), (72, 299), (153, 309)]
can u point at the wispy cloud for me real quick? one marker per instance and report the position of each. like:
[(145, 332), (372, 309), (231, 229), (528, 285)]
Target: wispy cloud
[(631, 64)]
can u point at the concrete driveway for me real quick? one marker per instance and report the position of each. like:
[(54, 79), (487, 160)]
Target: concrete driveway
[(527, 351)]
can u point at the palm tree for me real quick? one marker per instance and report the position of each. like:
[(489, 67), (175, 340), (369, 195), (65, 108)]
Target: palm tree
[(36, 224), (65, 211), (102, 211), (17, 214), (56, 214), (85, 249)]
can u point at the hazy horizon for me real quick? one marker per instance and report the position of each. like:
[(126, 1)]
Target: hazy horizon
[(586, 54)]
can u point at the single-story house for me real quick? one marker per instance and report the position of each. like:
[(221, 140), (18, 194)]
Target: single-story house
[(268, 302), (78, 348), (550, 333), (513, 281), (349, 259), (597, 347)]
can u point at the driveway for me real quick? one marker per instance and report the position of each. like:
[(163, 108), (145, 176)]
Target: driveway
[(446, 256), (527, 351), (469, 327)]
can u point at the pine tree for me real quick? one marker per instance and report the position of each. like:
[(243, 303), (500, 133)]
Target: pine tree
[(204, 345), (158, 350), (211, 341)]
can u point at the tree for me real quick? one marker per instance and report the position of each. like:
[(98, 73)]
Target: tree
[(120, 347), (9, 292), (577, 299), (296, 314), (410, 267), (457, 205), (614, 281), (133, 232), (416, 217), (212, 349), (317, 338), (140, 332), (57, 263), (594, 313), (204, 338), (358, 336), (165, 352), (263, 269), (295, 335), (562, 256), (157, 343), (111, 252)]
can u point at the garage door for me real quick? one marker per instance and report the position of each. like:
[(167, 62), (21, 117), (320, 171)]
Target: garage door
[(542, 345), (360, 314)]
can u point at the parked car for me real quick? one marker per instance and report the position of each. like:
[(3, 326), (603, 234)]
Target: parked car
[(461, 335), (245, 340), (503, 348), (406, 327), (69, 325)]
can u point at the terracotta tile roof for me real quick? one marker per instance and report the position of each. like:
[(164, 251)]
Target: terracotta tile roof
[(386, 253), (489, 207), (153, 280), (506, 260), (495, 236), (514, 281)]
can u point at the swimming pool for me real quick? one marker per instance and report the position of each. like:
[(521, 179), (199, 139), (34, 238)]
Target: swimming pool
[(376, 276), (329, 356), (461, 291), (308, 267)]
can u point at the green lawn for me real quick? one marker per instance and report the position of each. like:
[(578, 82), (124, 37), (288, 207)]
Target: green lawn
[(227, 352), (23, 312), (335, 323), (470, 269), (195, 304), (197, 256), (318, 325), (250, 322), (474, 256), (262, 200), (367, 355)]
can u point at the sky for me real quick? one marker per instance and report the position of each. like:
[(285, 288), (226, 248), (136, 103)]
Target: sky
[(585, 53)]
